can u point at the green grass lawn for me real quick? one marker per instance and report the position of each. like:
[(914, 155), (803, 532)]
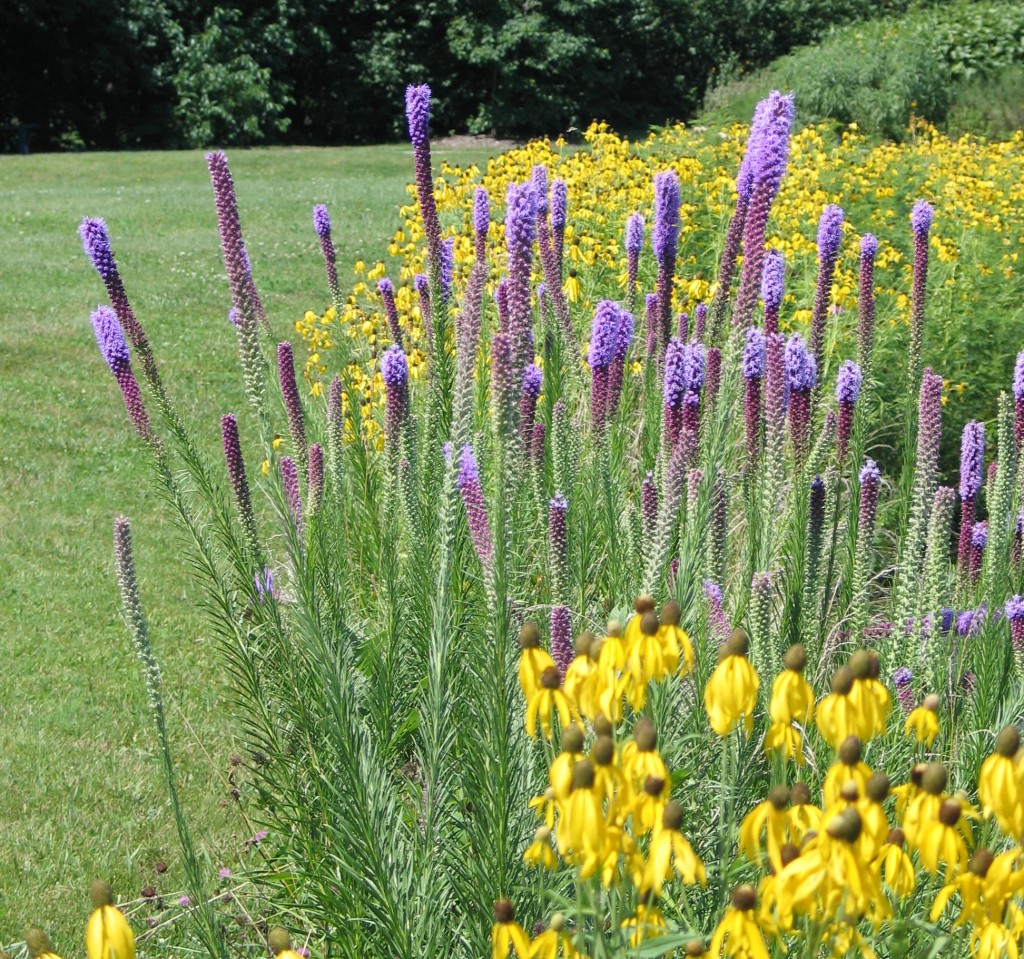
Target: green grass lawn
[(81, 789)]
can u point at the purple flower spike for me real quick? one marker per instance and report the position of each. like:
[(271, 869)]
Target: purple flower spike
[(558, 510), (292, 497), (921, 217), (532, 381), (1018, 395), (773, 284), (801, 369), (476, 509), (848, 382), (417, 113), (649, 506), (617, 371), (651, 322), (714, 375), (972, 459), (866, 300), (561, 639), (700, 319), (290, 394), (675, 374), (604, 340), (1015, 614), (1014, 609), (447, 271), (770, 158), (870, 480), (716, 614), (96, 243), (236, 473), (387, 293), (114, 350), (979, 535), (520, 232), (559, 217), (481, 219), (321, 221), (394, 370), (754, 354), (979, 540), (903, 680), (665, 242), (830, 237), (634, 234), (539, 182)]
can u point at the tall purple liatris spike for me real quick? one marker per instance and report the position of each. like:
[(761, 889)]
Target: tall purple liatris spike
[(290, 393), (714, 376), (773, 285), (394, 370), (476, 509), (616, 374), (689, 435), (236, 473), (387, 294), (532, 381), (921, 222), (716, 614), (870, 480), (559, 217), (481, 222), (447, 272), (115, 353), (753, 373), (421, 283), (848, 383), (520, 232), (503, 385), (972, 472), (335, 428), (236, 260), (665, 243), (673, 390), (830, 238), (536, 448), (634, 244), (979, 540), (417, 114), (322, 225), (903, 680), (700, 319), (292, 496), (802, 376), (866, 301), (561, 639), (315, 471), (1017, 545), (604, 340), (1018, 397), (771, 158), (651, 323), (96, 243), (1014, 610)]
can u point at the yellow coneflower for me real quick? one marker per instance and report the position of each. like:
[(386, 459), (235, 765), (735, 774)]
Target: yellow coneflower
[(969, 885), (560, 773), (572, 288), (770, 819), (506, 933), (646, 923), (532, 661), (803, 816), (107, 935), (670, 850), (539, 852), (579, 670), (998, 786), (792, 697), (838, 715), (872, 815), (546, 943), (646, 660), (737, 934), (923, 721), (545, 806), (38, 944), (675, 642), (848, 766), (894, 866), (609, 780), (869, 696), (545, 700), (281, 944), (649, 803), (731, 692), (581, 830), (941, 843), (640, 759), (928, 794)]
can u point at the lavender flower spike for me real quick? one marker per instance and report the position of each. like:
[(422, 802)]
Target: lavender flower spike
[(979, 540), (115, 353), (290, 393), (236, 473), (604, 339), (96, 243), (532, 381), (561, 639), (481, 221), (315, 472), (773, 281), (634, 244), (665, 242), (558, 541), (1018, 396), (972, 459), (322, 226), (476, 509), (754, 358), (866, 300), (387, 294), (848, 383), (801, 374), (920, 221), (292, 497), (903, 680), (830, 237), (417, 113), (520, 232), (1014, 610), (394, 370)]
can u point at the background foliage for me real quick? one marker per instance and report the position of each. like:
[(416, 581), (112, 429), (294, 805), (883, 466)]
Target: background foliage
[(168, 73)]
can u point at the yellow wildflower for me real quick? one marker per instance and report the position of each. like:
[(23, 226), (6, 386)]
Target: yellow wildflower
[(506, 933), (107, 935), (923, 721), (737, 934), (670, 850), (731, 693)]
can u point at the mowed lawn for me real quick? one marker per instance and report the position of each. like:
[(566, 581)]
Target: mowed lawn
[(80, 788)]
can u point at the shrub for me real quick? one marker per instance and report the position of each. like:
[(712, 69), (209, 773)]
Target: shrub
[(400, 626)]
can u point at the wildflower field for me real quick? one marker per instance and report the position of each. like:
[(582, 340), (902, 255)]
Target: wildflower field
[(591, 585)]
